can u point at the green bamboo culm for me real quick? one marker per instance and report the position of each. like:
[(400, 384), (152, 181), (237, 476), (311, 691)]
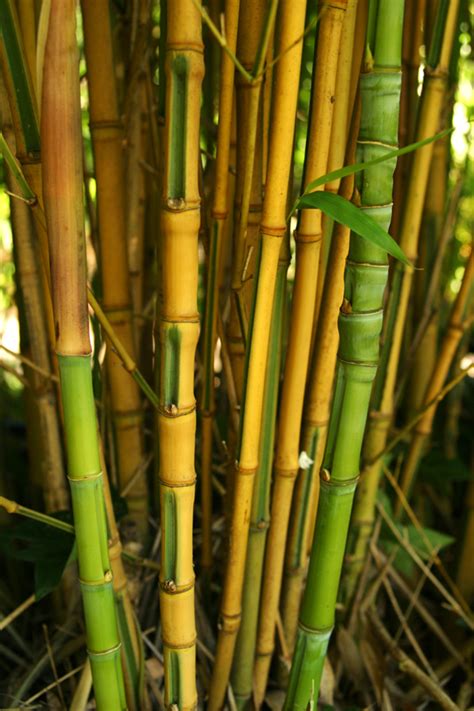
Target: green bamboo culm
[(360, 324), (62, 161)]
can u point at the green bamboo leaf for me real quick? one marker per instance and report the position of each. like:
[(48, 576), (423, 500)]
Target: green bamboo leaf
[(357, 167), (359, 221)]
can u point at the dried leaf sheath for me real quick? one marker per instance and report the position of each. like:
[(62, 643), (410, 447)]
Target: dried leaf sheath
[(62, 159), (178, 336)]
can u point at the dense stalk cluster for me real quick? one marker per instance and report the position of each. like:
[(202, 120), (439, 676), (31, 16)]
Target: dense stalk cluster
[(236, 354)]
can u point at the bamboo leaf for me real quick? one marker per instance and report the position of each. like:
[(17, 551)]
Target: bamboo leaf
[(343, 211), (357, 167)]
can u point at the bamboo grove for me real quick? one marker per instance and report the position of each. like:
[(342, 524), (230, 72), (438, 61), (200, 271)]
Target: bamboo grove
[(236, 357)]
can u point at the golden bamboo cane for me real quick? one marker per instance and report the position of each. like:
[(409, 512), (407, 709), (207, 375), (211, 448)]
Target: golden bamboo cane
[(272, 230), (107, 139), (178, 331), (308, 243)]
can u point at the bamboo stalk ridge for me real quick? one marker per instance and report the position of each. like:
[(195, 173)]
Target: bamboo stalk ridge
[(273, 228), (62, 161), (431, 103), (308, 242), (242, 669), (447, 352), (220, 212), (360, 324), (178, 331), (323, 361), (109, 159)]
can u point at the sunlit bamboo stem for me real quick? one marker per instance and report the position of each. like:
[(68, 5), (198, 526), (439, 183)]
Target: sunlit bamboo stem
[(178, 331), (308, 242)]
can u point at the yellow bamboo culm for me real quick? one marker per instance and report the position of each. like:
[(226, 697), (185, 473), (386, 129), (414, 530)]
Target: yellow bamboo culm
[(109, 159), (178, 332), (273, 229), (308, 243), (449, 346)]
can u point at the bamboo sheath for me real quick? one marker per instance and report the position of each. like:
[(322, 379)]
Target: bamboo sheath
[(308, 242), (273, 228), (447, 352), (62, 161), (220, 212), (109, 159), (432, 101), (323, 361), (242, 669), (360, 323), (178, 331)]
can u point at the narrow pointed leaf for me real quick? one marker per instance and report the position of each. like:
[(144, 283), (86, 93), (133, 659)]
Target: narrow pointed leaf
[(343, 211), (357, 167)]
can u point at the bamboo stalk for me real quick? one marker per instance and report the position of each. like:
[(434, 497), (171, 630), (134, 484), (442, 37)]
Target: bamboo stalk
[(242, 670), (248, 186), (273, 228), (323, 361), (449, 346), (308, 243), (360, 323), (220, 214), (107, 139), (434, 87), (61, 135), (178, 336)]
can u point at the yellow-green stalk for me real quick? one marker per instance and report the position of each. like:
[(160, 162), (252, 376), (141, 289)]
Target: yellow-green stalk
[(323, 361), (308, 238), (178, 332), (242, 670), (273, 228), (62, 162)]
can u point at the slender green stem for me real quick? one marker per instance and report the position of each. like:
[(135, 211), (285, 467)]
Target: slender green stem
[(360, 324)]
